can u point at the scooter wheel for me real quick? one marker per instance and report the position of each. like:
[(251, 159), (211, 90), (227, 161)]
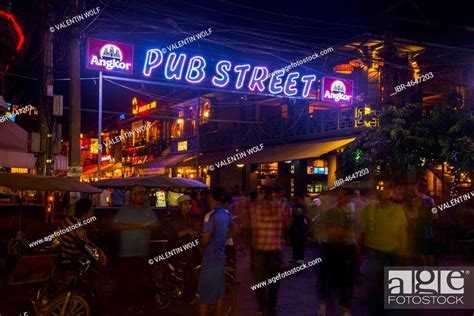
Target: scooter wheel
[(77, 306)]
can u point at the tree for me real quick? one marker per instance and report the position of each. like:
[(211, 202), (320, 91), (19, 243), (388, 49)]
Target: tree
[(413, 137)]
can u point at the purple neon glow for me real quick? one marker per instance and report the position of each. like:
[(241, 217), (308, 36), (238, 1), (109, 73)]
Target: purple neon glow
[(255, 77), (173, 68), (196, 66), (222, 69)]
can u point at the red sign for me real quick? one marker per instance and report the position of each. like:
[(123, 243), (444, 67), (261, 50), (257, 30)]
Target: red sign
[(109, 56), (138, 109), (106, 158), (336, 90), (138, 160)]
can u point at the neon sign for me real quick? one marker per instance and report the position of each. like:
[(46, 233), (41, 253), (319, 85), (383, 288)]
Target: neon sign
[(336, 90), (109, 56), (183, 146), (105, 158), (138, 160), (138, 109), (21, 37), (225, 74)]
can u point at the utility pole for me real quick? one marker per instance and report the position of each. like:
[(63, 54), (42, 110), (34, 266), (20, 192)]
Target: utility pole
[(75, 95), (46, 93), (99, 134), (75, 104)]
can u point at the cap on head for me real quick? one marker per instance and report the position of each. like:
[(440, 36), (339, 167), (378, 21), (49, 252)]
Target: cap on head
[(184, 198), (138, 189)]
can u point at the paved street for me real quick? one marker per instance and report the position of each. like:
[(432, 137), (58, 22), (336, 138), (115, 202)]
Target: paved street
[(297, 295)]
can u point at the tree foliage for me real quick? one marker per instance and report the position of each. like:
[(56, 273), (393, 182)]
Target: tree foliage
[(409, 137)]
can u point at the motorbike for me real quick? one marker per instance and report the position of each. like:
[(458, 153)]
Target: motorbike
[(75, 298), (172, 286)]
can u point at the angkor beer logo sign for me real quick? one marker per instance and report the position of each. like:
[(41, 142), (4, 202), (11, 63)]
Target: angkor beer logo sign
[(336, 90), (109, 56), (429, 288)]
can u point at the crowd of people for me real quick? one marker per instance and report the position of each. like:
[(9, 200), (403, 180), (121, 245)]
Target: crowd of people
[(355, 238)]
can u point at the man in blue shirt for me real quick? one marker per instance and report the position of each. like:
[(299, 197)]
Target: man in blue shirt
[(218, 226)]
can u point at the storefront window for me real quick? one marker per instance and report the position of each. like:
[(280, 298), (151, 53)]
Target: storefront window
[(268, 173), (205, 111), (317, 166), (177, 129)]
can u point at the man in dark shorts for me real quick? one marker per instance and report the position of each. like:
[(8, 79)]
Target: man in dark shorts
[(218, 226)]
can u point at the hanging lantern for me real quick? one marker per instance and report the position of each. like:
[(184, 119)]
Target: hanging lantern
[(345, 69)]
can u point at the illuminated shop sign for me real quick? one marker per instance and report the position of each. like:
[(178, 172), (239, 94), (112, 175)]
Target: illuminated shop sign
[(105, 158), (226, 74), (138, 109), (138, 160), (109, 56), (336, 90), (94, 146), (183, 146), (363, 117), (14, 108)]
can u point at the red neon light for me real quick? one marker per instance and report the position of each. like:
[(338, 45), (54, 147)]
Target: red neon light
[(18, 30)]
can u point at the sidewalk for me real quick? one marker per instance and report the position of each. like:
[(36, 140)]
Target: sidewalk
[(297, 294)]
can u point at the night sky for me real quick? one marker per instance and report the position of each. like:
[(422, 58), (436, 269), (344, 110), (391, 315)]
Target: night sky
[(259, 32)]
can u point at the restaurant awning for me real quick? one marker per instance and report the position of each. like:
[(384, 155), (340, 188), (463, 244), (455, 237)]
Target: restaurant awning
[(14, 147), (205, 159), (164, 161), (150, 182), (103, 169), (44, 183), (295, 151), (16, 159), (60, 163)]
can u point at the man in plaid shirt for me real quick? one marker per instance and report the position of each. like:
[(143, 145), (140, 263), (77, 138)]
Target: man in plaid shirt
[(267, 219)]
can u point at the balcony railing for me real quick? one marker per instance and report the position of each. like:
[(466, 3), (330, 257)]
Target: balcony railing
[(307, 126)]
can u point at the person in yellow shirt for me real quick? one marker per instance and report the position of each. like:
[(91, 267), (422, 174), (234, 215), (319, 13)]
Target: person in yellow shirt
[(384, 227)]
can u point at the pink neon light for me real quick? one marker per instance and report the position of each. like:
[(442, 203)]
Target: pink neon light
[(12, 19)]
